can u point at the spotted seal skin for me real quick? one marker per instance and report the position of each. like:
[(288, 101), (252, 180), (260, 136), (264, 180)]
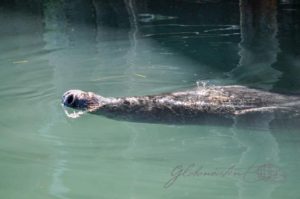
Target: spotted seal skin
[(203, 105)]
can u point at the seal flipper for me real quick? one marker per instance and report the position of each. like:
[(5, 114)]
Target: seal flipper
[(258, 118), (256, 110)]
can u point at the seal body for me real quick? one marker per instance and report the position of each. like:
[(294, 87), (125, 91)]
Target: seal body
[(203, 105)]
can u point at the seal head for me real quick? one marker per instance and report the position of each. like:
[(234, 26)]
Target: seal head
[(80, 100)]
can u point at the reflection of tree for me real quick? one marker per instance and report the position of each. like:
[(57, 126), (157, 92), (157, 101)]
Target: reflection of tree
[(259, 45)]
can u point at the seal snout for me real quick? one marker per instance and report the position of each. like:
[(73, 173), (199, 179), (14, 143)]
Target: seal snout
[(69, 100), (78, 99), (74, 99)]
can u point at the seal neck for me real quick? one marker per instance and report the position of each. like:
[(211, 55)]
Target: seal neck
[(108, 100)]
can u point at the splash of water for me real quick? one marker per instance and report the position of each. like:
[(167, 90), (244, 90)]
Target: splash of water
[(202, 84), (74, 114)]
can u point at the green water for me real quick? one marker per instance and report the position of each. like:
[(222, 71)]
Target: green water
[(138, 48)]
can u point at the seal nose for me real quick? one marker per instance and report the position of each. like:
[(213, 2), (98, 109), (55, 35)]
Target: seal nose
[(68, 99)]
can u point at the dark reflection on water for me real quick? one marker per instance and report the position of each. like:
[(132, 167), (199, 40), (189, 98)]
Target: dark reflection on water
[(289, 55), (259, 44), (263, 53)]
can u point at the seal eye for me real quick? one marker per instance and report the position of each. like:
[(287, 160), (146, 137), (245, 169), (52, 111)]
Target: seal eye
[(70, 99)]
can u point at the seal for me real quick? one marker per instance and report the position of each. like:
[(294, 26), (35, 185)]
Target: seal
[(202, 105)]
